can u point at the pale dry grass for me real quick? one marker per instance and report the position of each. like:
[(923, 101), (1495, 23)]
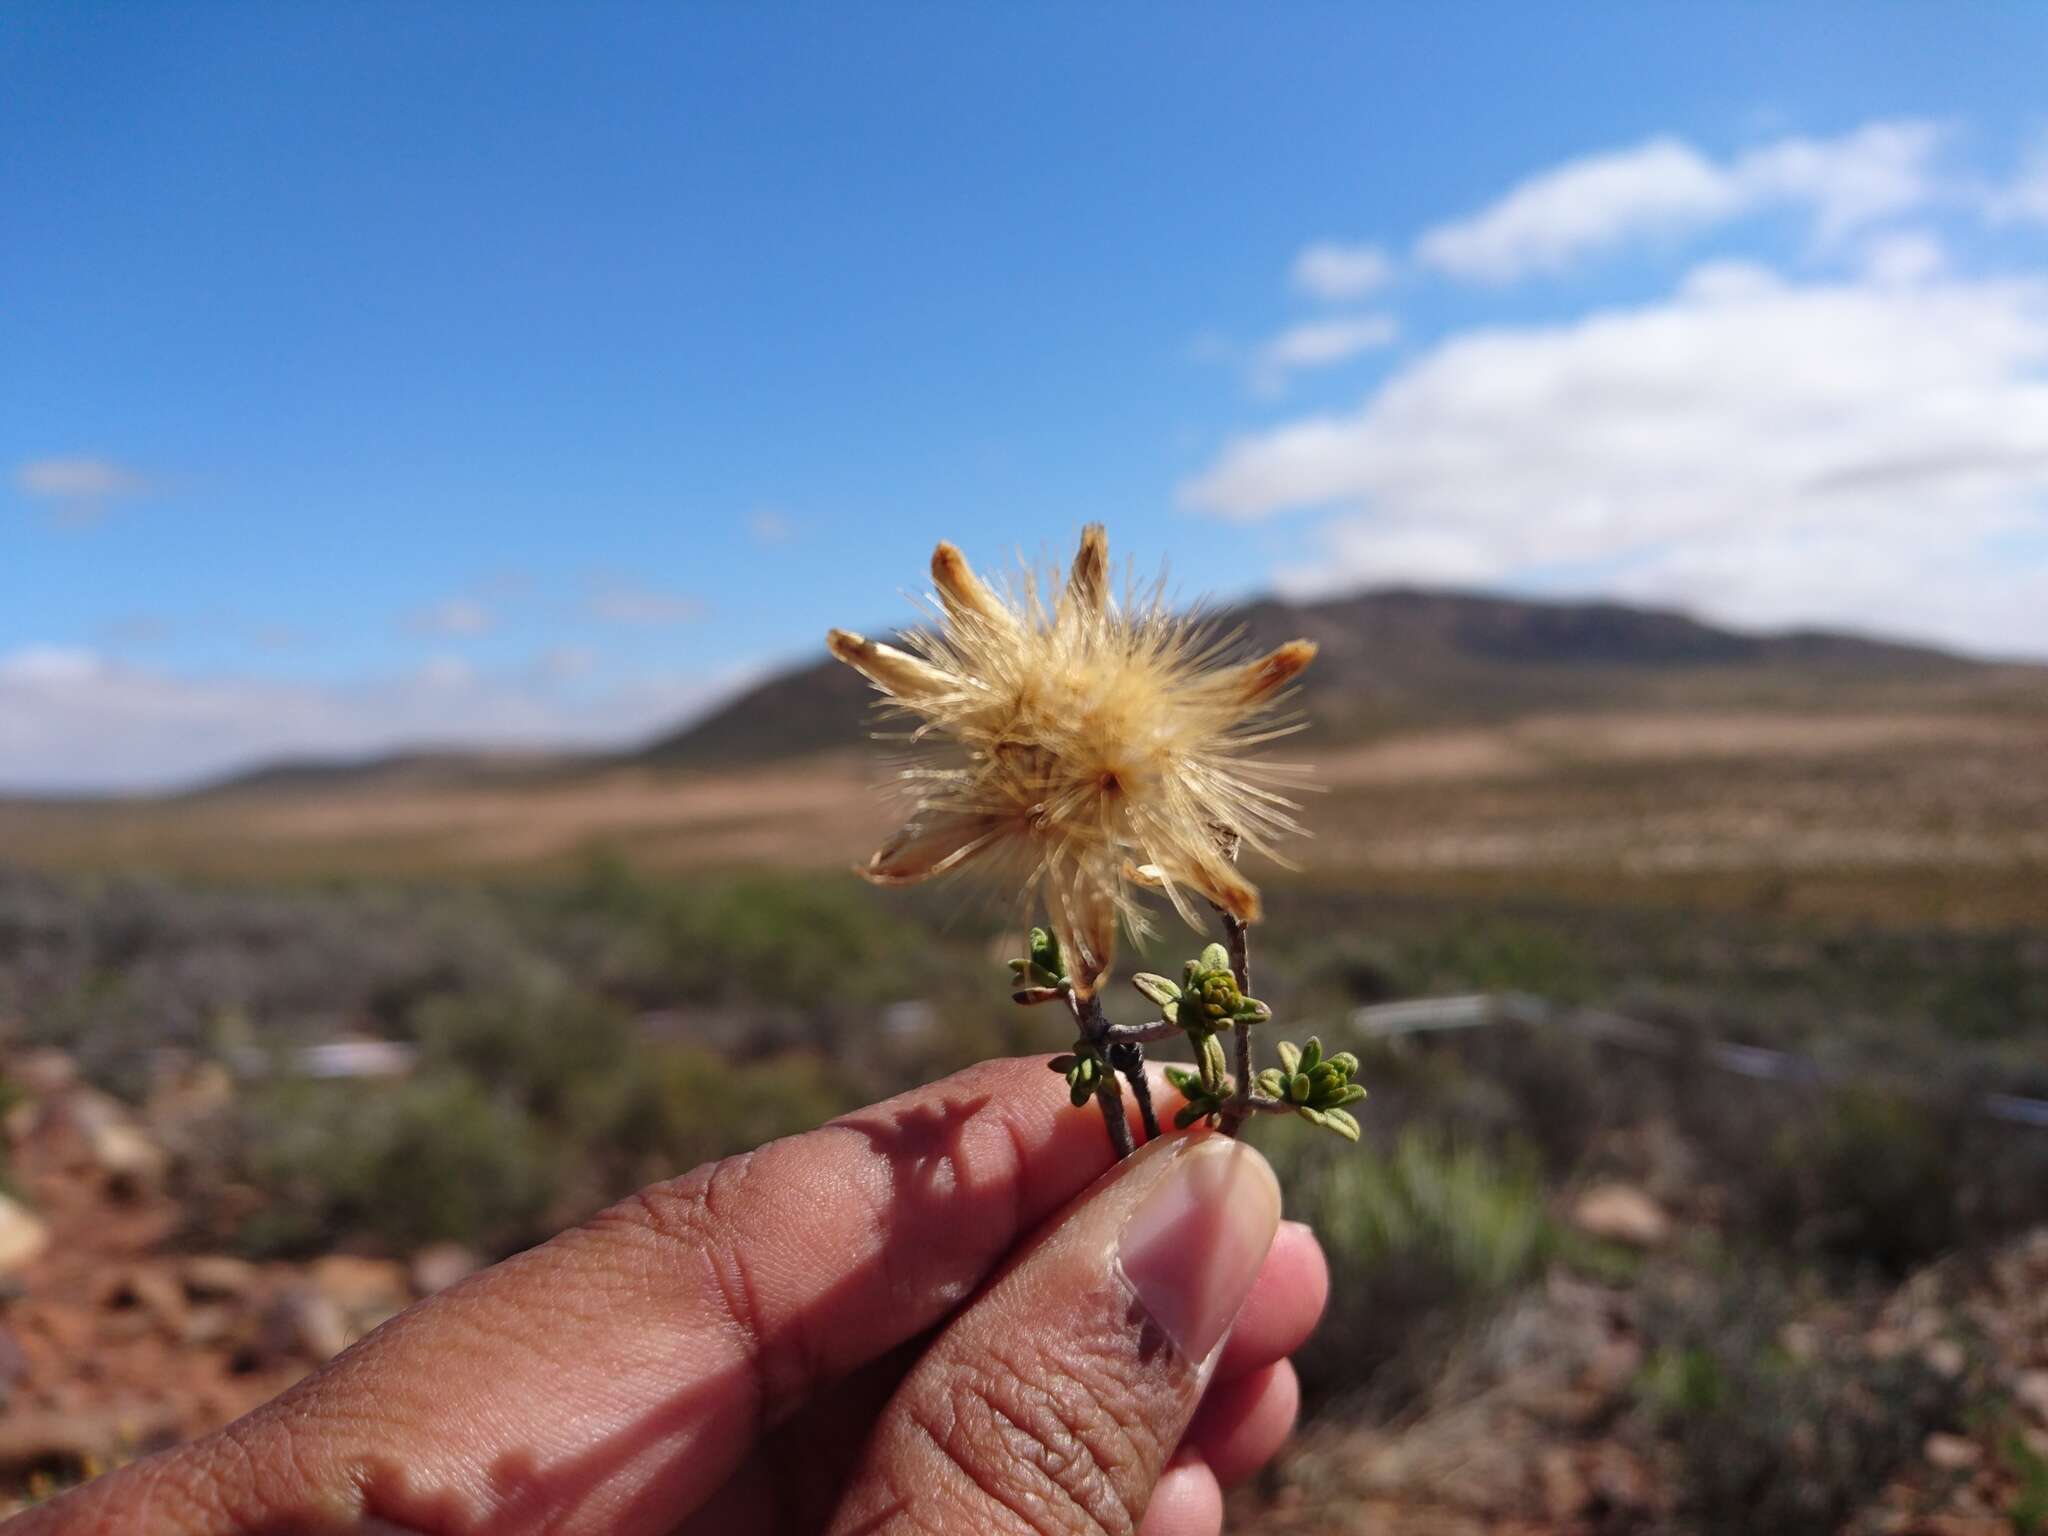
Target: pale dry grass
[(1941, 816)]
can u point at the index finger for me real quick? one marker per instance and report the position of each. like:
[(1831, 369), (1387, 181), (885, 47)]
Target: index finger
[(612, 1377)]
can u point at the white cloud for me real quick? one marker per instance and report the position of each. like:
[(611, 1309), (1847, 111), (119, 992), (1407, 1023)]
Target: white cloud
[(455, 616), (1899, 257), (81, 489), (767, 525), (1329, 269), (75, 721), (48, 665), (1320, 344), (1665, 187), (1866, 453), (630, 602), (2023, 200)]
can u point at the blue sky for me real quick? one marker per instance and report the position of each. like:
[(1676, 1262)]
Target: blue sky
[(378, 374)]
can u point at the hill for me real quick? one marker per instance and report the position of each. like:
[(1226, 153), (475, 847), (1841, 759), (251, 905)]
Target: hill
[(398, 770), (1402, 657)]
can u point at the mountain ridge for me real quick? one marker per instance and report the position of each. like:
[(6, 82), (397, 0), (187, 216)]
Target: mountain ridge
[(1406, 655)]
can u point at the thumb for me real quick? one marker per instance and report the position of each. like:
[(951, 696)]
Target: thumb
[(1050, 1406)]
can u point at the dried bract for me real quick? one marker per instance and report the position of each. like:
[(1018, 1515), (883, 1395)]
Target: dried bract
[(1083, 746)]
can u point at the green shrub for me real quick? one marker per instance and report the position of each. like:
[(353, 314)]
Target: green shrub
[(1419, 1238), (1766, 1441), (400, 1164)]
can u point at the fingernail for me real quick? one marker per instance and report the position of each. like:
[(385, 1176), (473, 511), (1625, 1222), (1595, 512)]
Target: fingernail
[(1195, 1243)]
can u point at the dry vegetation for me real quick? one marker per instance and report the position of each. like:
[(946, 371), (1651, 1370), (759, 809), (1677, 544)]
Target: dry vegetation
[(1587, 1289), (1916, 816)]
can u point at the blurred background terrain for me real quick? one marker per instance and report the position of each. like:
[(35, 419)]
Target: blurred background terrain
[(361, 1027), (434, 452)]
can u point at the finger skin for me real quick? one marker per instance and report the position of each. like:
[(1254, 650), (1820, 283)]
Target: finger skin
[(609, 1379), (1052, 1404), (1242, 1424), (791, 1480), (1284, 1307), (1187, 1501)]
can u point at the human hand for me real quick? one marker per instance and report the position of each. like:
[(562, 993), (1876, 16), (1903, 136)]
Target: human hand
[(870, 1328)]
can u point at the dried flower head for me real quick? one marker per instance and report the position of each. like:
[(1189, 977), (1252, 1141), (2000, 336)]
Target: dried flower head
[(1087, 745)]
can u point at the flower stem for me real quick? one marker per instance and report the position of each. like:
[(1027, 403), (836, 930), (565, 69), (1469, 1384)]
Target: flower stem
[(1109, 1097), (1110, 1100), (1128, 1057), (1237, 938)]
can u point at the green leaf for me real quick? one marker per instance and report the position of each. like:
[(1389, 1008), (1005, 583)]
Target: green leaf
[(1312, 1116), (1351, 1095), (1273, 1083), (1298, 1088), (1252, 1011), (1190, 1112), (1031, 997), (1290, 1056), (1346, 1063), (1215, 1070), (1215, 958), (1156, 988), (1045, 954), (1062, 1064), (1080, 1093), (1311, 1055), (1342, 1122), (1187, 1084)]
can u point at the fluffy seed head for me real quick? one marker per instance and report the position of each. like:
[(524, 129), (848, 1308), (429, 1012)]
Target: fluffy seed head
[(1086, 746)]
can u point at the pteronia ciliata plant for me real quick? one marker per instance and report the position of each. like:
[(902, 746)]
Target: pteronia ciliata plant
[(1085, 749)]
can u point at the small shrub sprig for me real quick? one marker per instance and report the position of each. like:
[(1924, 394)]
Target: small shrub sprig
[(1089, 749)]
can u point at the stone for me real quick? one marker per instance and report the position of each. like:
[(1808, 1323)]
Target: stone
[(154, 1293), (43, 1071), (1951, 1453), (219, 1277), (1565, 1492), (1622, 1482), (2030, 1391), (440, 1265), (1621, 1213), (1946, 1358), (23, 1236), (305, 1322), (132, 1163), (363, 1288), (14, 1364)]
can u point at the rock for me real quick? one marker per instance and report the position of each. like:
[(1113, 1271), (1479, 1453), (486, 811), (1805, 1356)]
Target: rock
[(1621, 1213), (440, 1265), (14, 1364), (23, 1237), (1565, 1491), (83, 1442), (155, 1293), (219, 1277), (368, 1290), (305, 1322), (1622, 1482), (77, 1444), (44, 1071), (2030, 1391), (1951, 1453), (133, 1164), (1946, 1358), (208, 1324)]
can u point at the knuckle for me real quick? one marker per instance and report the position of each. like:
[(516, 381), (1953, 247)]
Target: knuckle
[(1057, 1447), (694, 1223)]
